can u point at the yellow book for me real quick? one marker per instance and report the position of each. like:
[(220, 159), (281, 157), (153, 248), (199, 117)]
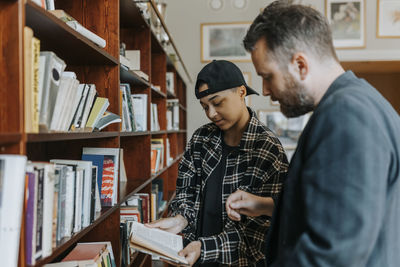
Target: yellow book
[(28, 66), (35, 85), (99, 107)]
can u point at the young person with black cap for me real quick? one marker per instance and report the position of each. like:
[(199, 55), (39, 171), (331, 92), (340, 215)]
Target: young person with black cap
[(233, 152)]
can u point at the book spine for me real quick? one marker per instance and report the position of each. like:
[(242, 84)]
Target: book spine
[(30, 219), (35, 85), (39, 215)]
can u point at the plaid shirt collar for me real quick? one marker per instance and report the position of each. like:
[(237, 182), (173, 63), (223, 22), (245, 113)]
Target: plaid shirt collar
[(214, 137)]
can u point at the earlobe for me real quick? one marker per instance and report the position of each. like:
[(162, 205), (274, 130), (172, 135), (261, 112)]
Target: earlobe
[(242, 91)]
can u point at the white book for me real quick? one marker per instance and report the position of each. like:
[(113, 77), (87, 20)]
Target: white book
[(73, 82), (12, 186), (88, 34), (48, 203), (86, 166), (54, 67), (79, 111), (78, 200), (69, 202), (88, 106), (134, 58), (76, 96), (139, 102), (62, 93)]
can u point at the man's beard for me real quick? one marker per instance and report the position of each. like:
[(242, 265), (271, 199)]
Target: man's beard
[(295, 101)]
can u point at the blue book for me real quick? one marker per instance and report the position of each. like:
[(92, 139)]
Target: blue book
[(97, 160)]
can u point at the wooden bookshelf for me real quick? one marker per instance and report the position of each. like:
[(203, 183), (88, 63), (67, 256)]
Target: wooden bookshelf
[(114, 21), (384, 75)]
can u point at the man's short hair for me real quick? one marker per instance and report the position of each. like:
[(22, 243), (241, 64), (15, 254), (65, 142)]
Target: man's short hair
[(288, 29)]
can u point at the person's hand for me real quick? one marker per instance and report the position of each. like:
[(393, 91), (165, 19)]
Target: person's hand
[(172, 224), (191, 252), (248, 204)]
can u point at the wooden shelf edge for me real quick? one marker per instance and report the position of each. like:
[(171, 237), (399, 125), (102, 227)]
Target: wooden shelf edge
[(9, 138), (75, 238), (158, 132), (32, 7), (49, 137), (175, 131), (128, 134), (171, 95), (127, 76), (158, 93), (182, 107)]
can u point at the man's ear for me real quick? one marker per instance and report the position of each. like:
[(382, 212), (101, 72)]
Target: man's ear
[(300, 65), (242, 91)]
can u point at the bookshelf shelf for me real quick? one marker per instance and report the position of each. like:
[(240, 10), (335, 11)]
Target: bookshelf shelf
[(106, 212), (158, 132), (170, 95), (58, 37), (9, 138), (130, 134), (132, 78), (157, 93), (176, 131), (48, 137)]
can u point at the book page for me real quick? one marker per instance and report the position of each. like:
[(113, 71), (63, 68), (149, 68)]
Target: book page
[(162, 242)]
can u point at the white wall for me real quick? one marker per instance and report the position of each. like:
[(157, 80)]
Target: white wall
[(183, 19)]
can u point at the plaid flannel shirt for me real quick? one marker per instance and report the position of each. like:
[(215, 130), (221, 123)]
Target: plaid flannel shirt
[(258, 167)]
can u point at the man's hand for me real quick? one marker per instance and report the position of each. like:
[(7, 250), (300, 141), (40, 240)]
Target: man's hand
[(172, 224), (248, 204), (191, 252)]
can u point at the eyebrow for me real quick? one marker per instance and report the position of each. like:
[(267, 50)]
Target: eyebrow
[(211, 98)]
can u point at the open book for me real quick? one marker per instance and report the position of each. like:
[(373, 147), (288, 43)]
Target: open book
[(158, 243)]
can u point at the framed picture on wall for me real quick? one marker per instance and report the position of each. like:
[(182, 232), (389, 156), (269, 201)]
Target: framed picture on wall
[(388, 19), (224, 41), (347, 20)]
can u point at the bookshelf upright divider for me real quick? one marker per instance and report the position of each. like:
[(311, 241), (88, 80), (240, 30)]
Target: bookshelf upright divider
[(115, 22)]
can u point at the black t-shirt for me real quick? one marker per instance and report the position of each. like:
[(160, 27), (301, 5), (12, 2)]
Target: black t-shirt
[(210, 219)]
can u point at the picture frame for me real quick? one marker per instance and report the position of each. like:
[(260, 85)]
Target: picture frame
[(247, 79), (224, 41), (347, 21), (388, 19)]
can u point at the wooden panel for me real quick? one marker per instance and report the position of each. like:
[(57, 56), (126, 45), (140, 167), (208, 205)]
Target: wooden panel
[(138, 38), (158, 76), (11, 67), (372, 66), (43, 137), (387, 84), (130, 15), (98, 16), (58, 37), (69, 149)]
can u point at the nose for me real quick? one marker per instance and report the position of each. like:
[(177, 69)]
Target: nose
[(212, 113), (266, 91)]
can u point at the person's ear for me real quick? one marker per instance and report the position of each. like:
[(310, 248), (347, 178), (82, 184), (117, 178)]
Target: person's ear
[(300, 65), (242, 91)]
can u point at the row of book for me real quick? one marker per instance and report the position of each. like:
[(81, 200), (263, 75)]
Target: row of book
[(134, 110), (54, 98), (93, 254), (65, 196), (172, 114)]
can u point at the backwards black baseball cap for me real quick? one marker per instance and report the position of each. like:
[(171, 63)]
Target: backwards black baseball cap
[(220, 75)]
